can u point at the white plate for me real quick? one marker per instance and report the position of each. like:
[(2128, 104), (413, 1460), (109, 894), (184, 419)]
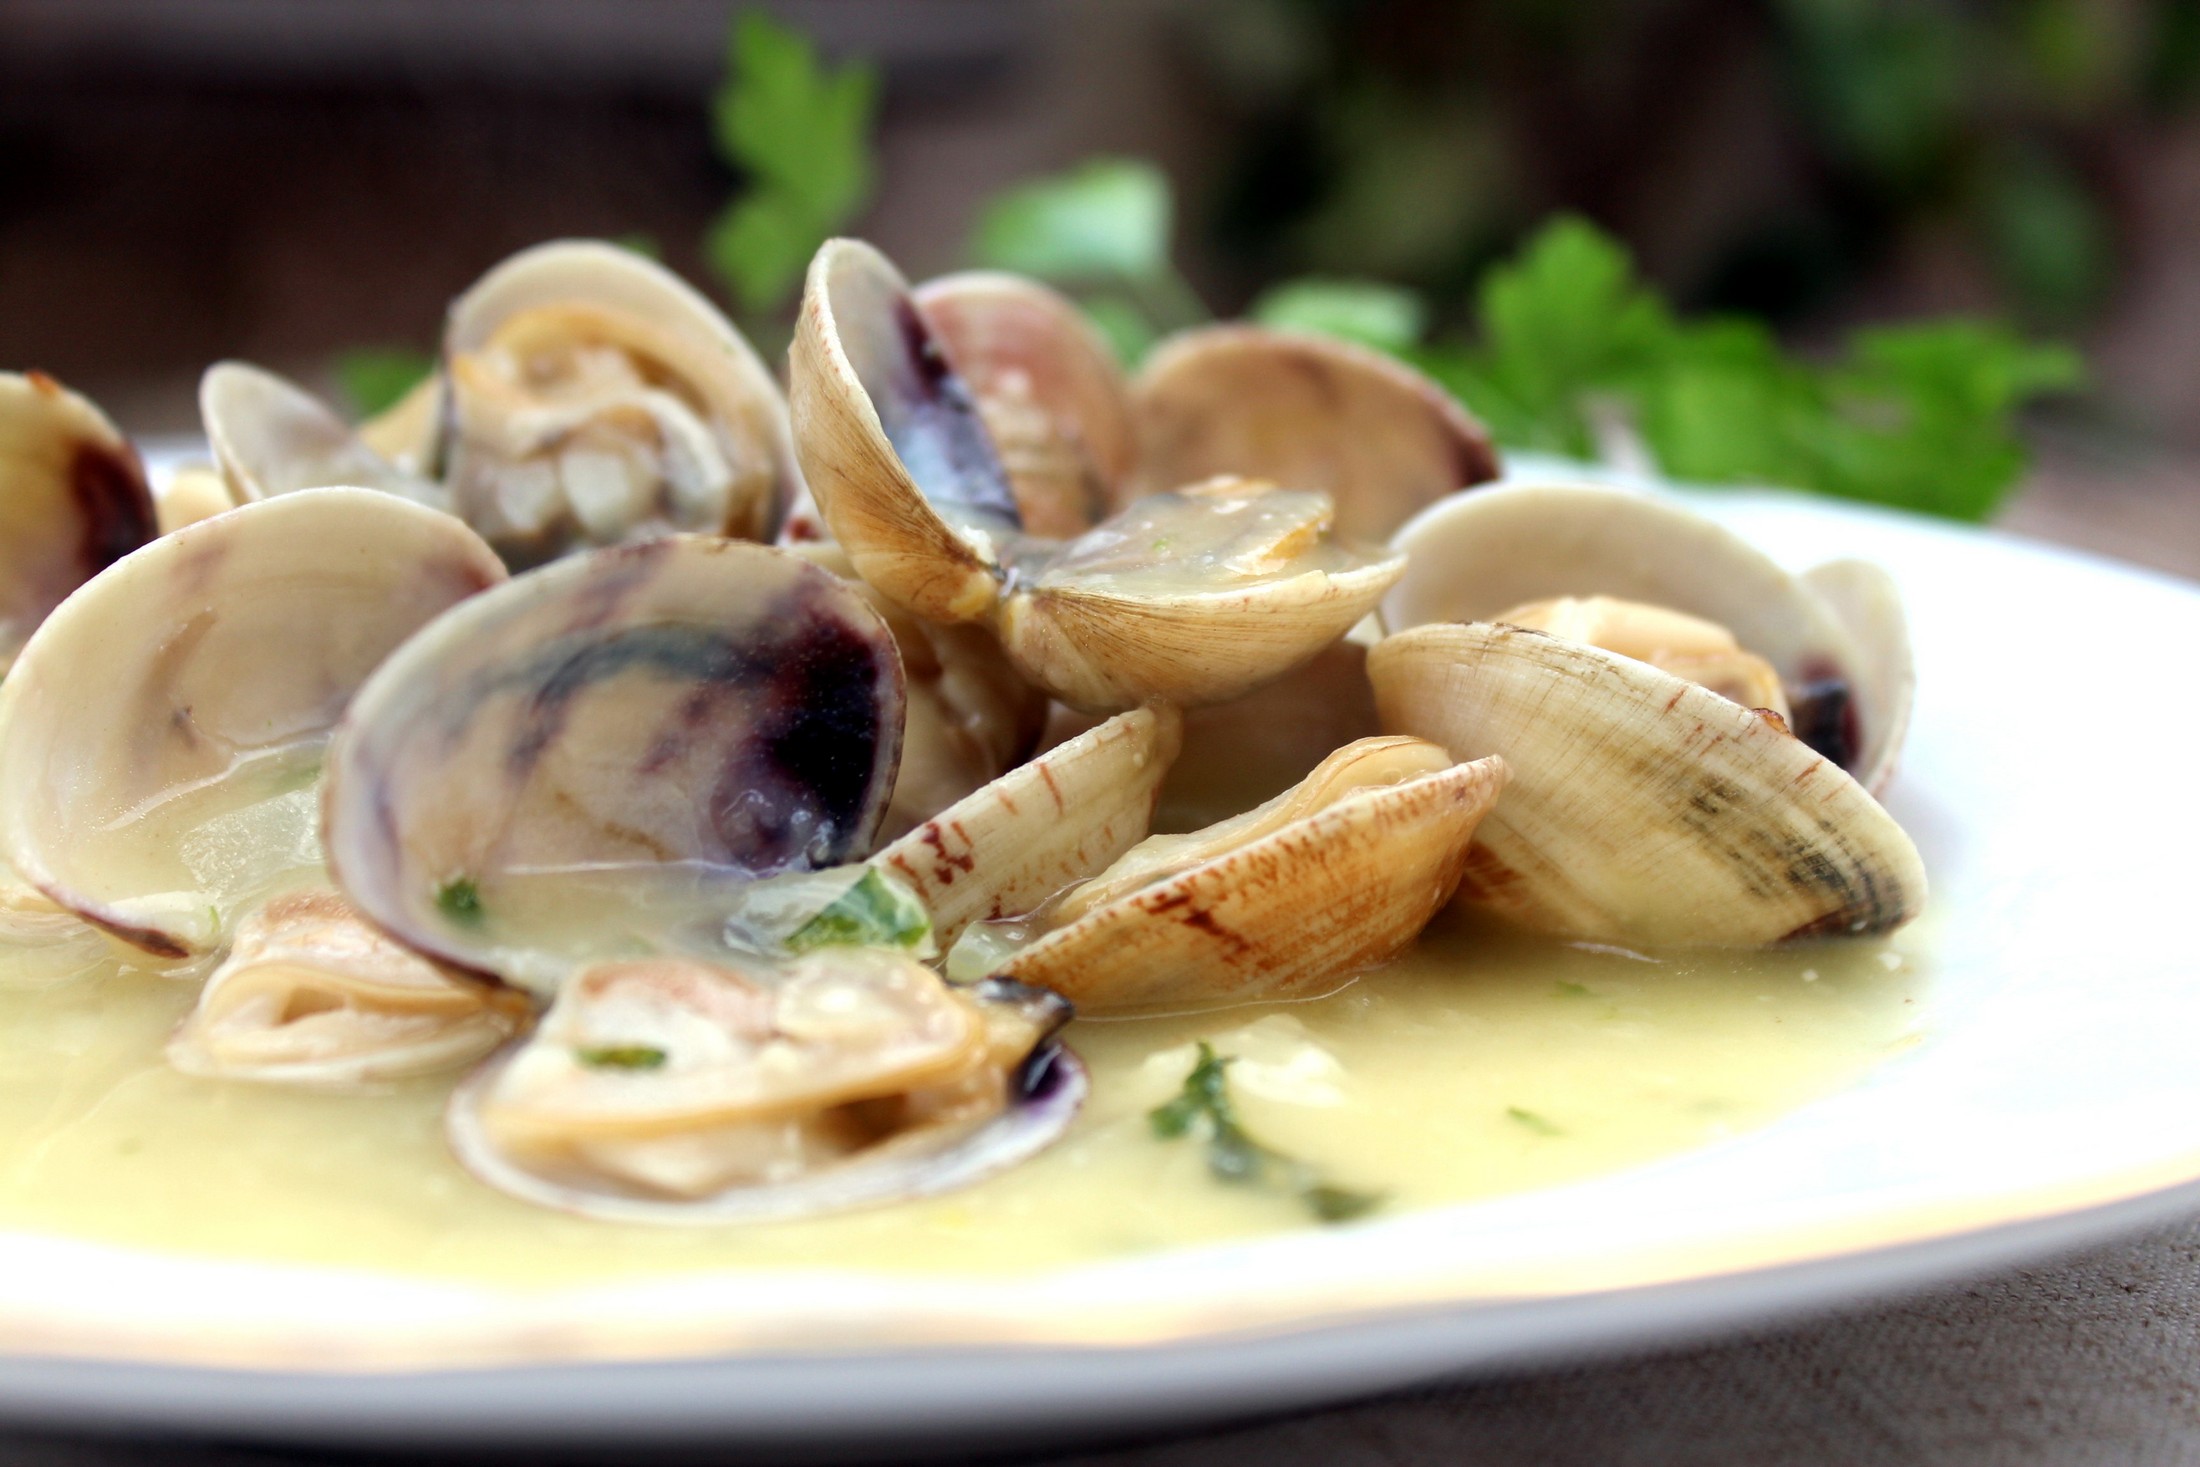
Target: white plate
[(2050, 782)]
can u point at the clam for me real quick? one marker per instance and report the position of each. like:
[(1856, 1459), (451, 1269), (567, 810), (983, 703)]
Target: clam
[(1189, 596), (634, 781), (597, 759), (1043, 826), (970, 716), (593, 397), (1865, 599), (672, 1090), (1506, 553), (312, 993), (1049, 391), (1334, 876), (1310, 412), (44, 943), (73, 500), (193, 492), (161, 734), (1644, 808), (409, 431), (271, 436)]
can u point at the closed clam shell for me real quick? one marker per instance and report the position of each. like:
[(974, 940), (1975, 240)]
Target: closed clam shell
[(270, 436), (579, 339), (196, 681), (1644, 809), (681, 715), (1050, 822), (1292, 912), (1048, 389), (1309, 412), (73, 500), (1475, 556)]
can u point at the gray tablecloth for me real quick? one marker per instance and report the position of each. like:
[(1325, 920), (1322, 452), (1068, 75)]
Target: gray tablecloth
[(2091, 1360)]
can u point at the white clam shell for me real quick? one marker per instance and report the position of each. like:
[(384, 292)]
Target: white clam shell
[(1294, 911), (1040, 827), (1140, 609), (201, 667), (312, 993), (1477, 555), (691, 711), (1308, 412), (669, 1143), (1869, 604), (699, 356), (1644, 809), (1048, 389), (73, 500), (270, 436)]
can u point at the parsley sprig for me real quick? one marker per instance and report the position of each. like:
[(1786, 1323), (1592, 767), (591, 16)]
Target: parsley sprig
[(800, 131), (1233, 1155)]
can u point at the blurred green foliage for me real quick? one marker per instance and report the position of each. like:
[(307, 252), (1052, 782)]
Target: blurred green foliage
[(1370, 312), (373, 378), (1777, 153), (1102, 228), (800, 132)]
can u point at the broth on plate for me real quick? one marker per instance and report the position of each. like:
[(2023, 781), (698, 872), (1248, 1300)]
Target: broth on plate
[(1483, 1063)]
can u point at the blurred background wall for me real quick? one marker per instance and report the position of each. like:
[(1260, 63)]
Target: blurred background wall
[(182, 180)]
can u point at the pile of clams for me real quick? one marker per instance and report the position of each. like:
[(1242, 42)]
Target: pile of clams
[(742, 789)]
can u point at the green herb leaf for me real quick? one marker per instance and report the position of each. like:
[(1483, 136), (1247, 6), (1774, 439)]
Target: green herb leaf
[(877, 911), (622, 1057), (1532, 1121), (801, 132), (1234, 1157), (760, 244), (460, 901), (1340, 1204), (1386, 317), (374, 378), (1920, 417), (1109, 217)]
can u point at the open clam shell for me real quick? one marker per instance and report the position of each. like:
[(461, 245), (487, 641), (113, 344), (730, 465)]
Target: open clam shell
[(680, 1093), (1040, 827), (1308, 412), (1335, 876), (1474, 557), (73, 500), (592, 397), (1869, 604), (892, 443), (270, 436), (161, 734), (312, 993), (595, 755), (1247, 584), (1187, 597), (1644, 809), (1048, 389)]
